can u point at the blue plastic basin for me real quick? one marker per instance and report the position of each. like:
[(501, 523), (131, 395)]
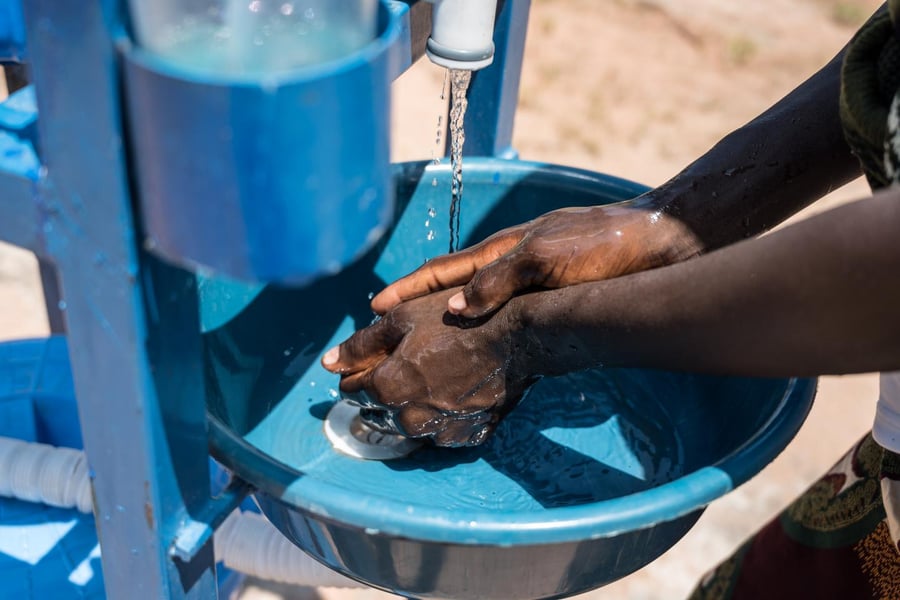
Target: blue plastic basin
[(592, 477)]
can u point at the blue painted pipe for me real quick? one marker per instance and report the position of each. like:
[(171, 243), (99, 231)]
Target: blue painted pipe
[(12, 31)]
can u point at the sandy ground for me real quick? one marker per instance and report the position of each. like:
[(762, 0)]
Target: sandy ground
[(635, 88)]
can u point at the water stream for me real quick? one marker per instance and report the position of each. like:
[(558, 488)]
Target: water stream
[(459, 86)]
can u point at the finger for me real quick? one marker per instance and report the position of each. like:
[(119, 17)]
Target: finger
[(388, 384), (365, 348), (360, 399), (495, 284), (445, 271), (380, 420), (416, 420), (469, 431), (360, 382)]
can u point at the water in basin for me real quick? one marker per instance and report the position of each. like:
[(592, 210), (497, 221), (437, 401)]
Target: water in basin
[(592, 476), (576, 439)]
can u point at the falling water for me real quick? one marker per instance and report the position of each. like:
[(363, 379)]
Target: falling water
[(437, 151), (459, 85)]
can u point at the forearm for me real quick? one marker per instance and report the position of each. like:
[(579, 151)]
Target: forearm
[(822, 296), (767, 170)]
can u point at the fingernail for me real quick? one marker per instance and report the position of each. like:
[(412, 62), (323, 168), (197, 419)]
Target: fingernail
[(331, 357), (457, 303)]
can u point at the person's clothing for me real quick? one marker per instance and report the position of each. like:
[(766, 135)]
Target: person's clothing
[(836, 541), (870, 116), (886, 429), (870, 77), (839, 540)]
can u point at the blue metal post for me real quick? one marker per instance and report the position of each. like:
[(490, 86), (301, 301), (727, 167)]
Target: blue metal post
[(133, 329), (124, 311), (12, 32), (494, 91)]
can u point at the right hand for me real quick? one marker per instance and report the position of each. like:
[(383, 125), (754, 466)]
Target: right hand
[(430, 375), (558, 249)]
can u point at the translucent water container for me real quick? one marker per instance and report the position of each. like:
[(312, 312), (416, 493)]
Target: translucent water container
[(252, 37)]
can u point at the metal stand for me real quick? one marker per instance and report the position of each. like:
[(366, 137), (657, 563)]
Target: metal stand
[(132, 322)]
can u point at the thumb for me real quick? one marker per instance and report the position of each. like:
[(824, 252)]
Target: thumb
[(493, 286), (364, 348)]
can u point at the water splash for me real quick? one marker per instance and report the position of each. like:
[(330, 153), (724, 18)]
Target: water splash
[(459, 86)]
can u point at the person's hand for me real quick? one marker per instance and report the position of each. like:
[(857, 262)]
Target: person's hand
[(558, 249), (430, 374)]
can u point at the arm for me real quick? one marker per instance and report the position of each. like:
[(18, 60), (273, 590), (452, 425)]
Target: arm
[(753, 179), (822, 296), (764, 172)]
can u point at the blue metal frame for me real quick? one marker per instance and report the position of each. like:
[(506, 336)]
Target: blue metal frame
[(494, 91), (133, 329)]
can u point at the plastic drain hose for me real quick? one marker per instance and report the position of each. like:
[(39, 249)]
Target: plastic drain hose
[(42, 473), (248, 543), (245, 542)]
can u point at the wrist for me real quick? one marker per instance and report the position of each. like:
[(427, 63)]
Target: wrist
[(667, 230), (553, 332)]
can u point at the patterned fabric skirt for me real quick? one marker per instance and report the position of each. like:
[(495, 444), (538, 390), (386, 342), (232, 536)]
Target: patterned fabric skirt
[(838, 540)]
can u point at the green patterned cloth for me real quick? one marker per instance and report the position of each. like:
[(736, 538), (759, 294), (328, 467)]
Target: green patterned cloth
[(835, 542), (869, 80)]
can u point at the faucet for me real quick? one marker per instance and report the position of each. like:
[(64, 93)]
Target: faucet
[(462, 34)]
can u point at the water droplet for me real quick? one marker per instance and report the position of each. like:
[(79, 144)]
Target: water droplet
[(333, 393), (312, 384), (444, 87), (255, 6), (431, 212), (61, 305), (371, 295), (433, 184), (430, 235), (287, 9), (287, 352)]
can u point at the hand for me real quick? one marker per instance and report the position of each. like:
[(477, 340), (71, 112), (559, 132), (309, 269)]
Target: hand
[(559, 249), (432, 374)]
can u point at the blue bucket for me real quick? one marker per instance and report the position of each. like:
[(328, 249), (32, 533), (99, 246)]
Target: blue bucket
[(244, 175), (593, 476)]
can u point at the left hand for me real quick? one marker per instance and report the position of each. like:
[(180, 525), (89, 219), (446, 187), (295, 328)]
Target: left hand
[(435, 375), (561, 248)]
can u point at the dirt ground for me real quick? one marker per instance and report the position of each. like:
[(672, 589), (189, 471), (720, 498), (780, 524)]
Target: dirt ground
[(635, 88)]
